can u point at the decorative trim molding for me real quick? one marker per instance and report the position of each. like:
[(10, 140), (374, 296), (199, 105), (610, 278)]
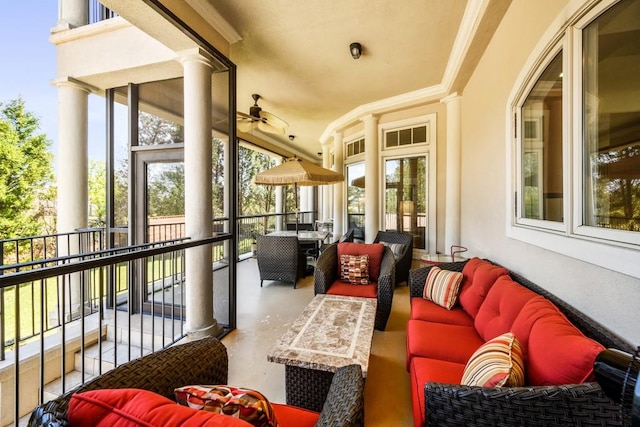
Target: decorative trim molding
[(211, 15)]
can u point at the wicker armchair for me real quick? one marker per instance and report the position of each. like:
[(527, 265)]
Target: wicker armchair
[(280, 258), (403, 262), (326, 273), (163, 371), (562, 405)]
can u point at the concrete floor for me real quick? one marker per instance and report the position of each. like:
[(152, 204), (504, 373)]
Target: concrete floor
[(265, 314)]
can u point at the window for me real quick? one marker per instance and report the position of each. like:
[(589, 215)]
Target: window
[(576, 138), (611, 119), (355, 147), (541, 180), (403, 137)]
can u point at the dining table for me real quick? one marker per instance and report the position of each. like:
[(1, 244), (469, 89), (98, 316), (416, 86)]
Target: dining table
[(303, 235)]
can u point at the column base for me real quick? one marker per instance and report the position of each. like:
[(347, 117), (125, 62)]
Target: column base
[(212, 330)]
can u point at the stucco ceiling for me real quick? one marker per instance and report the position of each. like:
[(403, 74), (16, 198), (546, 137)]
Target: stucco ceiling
[(295, 54)]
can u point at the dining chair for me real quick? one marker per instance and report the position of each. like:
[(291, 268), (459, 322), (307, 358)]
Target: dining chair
[(280, 258)]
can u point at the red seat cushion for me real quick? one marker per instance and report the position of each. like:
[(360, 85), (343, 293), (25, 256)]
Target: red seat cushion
[(453, 343), (128, 407), (351, 290), (423, 370), (374, 250), (501, 307), (292, 416), (472, 295), (422, 309)]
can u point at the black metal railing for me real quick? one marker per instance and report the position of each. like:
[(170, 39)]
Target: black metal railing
[(76, 286)]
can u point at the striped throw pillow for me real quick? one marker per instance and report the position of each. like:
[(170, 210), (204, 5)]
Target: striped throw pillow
[(442, 287), (497, 363)]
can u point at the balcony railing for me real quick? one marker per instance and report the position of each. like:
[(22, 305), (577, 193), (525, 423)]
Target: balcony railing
[(79, 301), (19, 255), (99, 12)]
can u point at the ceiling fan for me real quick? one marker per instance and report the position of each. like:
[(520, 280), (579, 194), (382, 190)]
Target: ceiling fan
[(259, 119)]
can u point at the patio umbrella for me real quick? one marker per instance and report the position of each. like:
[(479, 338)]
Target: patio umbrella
[(295, 171)]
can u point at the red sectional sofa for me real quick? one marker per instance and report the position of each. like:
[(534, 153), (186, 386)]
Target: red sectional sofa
[(557, 355)]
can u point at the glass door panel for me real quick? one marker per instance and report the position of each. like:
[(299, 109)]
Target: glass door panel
[(406, 198), (355, 199)]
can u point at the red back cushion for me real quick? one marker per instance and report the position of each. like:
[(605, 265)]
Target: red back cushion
[(469, 270), (533, 310), (472, 296), (501, 307), (559, 353), (374, 250), (129, 407)]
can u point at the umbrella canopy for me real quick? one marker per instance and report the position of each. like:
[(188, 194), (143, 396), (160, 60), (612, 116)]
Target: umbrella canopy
[(295, 171)]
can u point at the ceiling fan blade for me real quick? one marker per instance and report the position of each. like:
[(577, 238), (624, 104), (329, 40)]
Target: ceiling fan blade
[(264, 126), (273, 120), (245, 126)]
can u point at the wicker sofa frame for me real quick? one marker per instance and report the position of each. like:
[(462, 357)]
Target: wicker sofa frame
[(163, 371), (280, 258), (564, 405), (403, 264), (326, 273)]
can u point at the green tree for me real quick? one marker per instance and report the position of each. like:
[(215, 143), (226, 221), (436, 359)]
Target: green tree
[(97, 194), (26, 172)]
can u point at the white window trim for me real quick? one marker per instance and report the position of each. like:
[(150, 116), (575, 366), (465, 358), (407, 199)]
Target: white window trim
[(612, 249)]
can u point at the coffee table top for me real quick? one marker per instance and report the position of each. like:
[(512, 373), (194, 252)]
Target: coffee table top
[(332, 331)]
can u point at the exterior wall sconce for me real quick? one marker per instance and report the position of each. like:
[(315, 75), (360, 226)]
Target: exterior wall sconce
[(355, 49)]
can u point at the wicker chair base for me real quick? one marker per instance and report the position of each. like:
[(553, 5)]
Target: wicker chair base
[(307, 388)]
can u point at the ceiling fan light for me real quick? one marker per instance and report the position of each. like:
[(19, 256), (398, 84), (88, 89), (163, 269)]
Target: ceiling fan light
[(356, 50)]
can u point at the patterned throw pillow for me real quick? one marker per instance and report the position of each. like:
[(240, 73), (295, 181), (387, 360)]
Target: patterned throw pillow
[(248, 405), (396, 249), (442, 287), (354, 269), (497, 363)]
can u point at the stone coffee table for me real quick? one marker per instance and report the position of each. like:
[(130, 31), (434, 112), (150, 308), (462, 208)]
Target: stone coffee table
[(332, 331)]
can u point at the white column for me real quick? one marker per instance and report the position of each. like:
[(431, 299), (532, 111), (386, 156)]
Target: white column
[(303, 192), (326, 189), (371, 190), (339, 211), (200, 320), (279, 201), (452, 192), (72, 14), (72, 177)]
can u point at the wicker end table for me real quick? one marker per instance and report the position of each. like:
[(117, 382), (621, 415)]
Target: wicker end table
[(332, 331)]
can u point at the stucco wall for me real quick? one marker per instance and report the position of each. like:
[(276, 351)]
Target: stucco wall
[(609, 297)]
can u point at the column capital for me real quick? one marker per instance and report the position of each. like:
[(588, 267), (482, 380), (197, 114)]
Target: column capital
[(452, 97), (370, 118), (195, 55), (66, 81)]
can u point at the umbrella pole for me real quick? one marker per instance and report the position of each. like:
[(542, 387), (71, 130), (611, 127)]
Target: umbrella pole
[(295, 196)]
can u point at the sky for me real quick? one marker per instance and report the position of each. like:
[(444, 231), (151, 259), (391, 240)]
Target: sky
[(28, 64)]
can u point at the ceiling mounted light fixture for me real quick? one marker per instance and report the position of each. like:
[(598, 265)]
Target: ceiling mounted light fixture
[(292, 137), (356, 50)]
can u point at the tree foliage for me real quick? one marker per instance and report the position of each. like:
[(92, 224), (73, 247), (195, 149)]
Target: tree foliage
[(254, 199), (26, 173)]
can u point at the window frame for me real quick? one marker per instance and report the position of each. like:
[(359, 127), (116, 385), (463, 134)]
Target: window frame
[(612, 249)]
